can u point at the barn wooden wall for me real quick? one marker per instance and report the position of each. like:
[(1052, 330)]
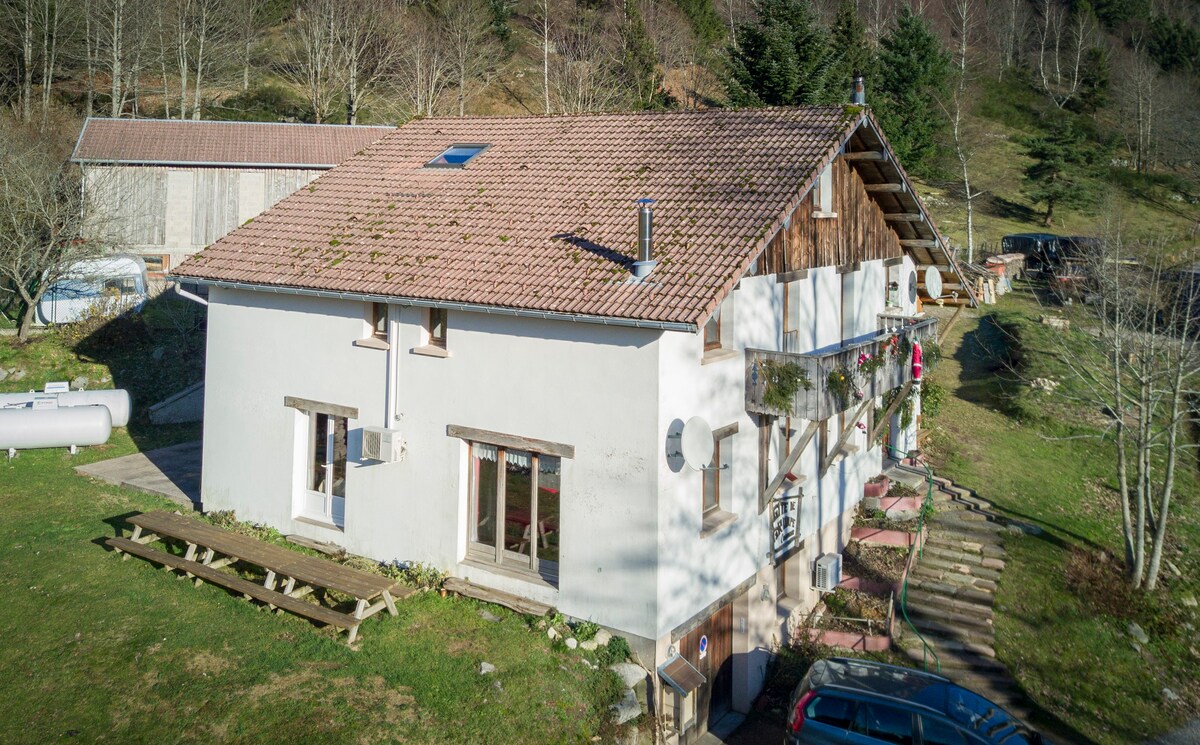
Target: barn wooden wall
[(858, 233), (130, 202)]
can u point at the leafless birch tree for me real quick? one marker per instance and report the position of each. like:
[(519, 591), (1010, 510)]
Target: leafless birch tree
[(368, 42), (473, 49), (965, 17), (313, 63), (42, 231), (425, 70)]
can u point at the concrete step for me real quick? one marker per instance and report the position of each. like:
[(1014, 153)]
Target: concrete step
[(962, 647), (949, 655), (972, 620), (958, 592), (965, 521), (966, 635), (948, 604), (962, 556), (974, 544), (949, 576), (931, 560)]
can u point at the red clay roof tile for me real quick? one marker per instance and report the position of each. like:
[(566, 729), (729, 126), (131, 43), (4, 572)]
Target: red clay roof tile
[(545, 219)]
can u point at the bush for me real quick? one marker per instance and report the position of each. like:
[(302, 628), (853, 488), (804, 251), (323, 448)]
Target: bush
[(933, 396), (617, 650), (266, 103), (586, 630), (418, 574)]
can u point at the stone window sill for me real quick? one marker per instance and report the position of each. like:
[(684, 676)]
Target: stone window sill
[(430, 350), (716, 520), (372, 343), (717, 355)]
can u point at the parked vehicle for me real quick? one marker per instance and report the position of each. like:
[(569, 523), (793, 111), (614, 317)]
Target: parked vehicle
[(1040, 249), (860, 702), (118, 282)]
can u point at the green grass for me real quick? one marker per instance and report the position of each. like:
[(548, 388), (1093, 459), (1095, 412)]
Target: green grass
[(1024, 450), (102, 649)]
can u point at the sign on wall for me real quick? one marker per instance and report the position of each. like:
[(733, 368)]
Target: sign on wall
[(783, 524)]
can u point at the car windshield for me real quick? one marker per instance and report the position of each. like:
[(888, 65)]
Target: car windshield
[(983, 717)]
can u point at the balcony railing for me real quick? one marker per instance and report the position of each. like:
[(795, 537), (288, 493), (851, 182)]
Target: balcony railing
[(818, 385)]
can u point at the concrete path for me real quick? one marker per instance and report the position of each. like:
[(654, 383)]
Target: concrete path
[(172, 472)]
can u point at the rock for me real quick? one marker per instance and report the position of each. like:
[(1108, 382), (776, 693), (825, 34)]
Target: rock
[(589, 646), (1170, 696), (1174, 569), (627, 708), (485, 615), (1043, 384), (1136, 632), (1189, 601), (629, 673), (1136, 647), (18, 375), (486, 668), (550, 632), (158, 353), (80, 383), (1054, 322), (603, 638), (572, 642), (3, 373)]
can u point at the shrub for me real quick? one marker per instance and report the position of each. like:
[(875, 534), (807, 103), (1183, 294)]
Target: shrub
[(617, 650), (932, 398), (586, 630), (419, 575)]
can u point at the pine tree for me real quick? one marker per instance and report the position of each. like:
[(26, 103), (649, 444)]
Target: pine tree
[(1060, 175), (638, 58), (850, 51), (1094, 84), (780, 60), (914, 72)]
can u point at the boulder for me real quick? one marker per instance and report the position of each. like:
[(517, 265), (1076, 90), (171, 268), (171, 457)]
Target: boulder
[(572, 643), (627, 708), (629, 673), (486, 668), (1137, 633), (487, 616), (588, 646), (80, 383), (603, 637)]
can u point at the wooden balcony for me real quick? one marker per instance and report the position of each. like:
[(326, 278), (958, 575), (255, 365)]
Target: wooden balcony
[(771, 376)]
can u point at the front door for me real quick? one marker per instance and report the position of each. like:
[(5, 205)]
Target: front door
[(709, 647)]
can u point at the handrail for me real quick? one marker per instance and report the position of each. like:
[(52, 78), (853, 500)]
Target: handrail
[(919, 549)]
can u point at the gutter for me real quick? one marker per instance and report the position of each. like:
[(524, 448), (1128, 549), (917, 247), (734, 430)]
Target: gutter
[(546, 315), (201, 163)]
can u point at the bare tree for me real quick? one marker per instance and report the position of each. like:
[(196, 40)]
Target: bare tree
[(42, 230), (1140, 363), (583, 73), (1139, 97), (313, 63), (117, 33), (425, 71), (965, 18), (246, 20), (368, 40), (543, 22), (473, 49), (1008, 22)]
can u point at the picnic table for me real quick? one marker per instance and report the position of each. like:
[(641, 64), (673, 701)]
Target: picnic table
[(289, 575)]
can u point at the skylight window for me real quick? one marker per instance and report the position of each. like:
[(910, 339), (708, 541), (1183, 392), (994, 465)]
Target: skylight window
[(456, 156)]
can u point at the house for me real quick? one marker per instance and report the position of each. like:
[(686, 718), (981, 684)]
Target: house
[(477, 345), (166, 188)]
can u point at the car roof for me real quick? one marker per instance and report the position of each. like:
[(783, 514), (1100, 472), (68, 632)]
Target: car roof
[(877, 678)]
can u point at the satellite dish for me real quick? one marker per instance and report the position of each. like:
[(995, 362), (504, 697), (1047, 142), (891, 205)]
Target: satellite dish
[(912, 287), (933, 282), (696, 442)]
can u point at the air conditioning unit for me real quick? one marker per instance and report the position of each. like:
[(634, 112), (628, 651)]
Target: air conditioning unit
[(380, 443), (829, 572)]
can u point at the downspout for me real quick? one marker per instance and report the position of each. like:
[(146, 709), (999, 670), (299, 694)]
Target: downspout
[(393, 338)]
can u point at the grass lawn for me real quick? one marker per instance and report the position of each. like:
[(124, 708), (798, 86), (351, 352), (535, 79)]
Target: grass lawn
[(106, 650), (1062, 610)]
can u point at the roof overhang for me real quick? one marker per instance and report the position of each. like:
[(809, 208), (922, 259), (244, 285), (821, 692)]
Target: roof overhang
[(200, 164), (499, 310), (681, 675)]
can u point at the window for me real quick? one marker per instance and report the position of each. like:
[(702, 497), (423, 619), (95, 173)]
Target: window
[(884, 723), (831, 710), (326, 472), (716, 477), (456, 156), (937, 732), (823, 194), (515, 497), (379, 321), (712, 331), (436, 327), (157, 264)]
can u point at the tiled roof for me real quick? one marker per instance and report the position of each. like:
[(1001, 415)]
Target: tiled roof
[(545, 219), (170, 141)]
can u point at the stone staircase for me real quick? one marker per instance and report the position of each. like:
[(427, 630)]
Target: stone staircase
[(951, 592)]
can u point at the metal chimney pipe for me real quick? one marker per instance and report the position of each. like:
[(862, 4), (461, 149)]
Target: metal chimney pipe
[(858, 96), (645, 257)]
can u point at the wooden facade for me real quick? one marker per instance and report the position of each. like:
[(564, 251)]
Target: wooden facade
[(715, 697), (859, 232)]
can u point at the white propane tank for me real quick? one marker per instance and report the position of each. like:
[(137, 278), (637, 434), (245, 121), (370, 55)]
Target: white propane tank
[(117, 402), (21, 429)]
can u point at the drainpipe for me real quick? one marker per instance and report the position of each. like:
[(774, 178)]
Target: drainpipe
[(393, 337)]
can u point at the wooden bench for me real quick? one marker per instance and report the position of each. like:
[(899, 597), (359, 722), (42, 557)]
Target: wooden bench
[(250, 589)]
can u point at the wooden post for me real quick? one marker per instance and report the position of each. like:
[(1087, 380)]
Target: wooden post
[(845, 435)]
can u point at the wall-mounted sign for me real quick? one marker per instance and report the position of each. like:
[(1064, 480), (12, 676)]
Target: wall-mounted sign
[(784, 514), (704, 646)]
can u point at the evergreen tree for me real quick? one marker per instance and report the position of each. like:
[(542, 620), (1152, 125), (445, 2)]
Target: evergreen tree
[(1063, 164), (1094, 84), (502, 12), (638, 58), (706, 24), (850, 52), (914, 72), (782, 59)]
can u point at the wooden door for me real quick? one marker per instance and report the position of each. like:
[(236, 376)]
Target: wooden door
[(715, 697)]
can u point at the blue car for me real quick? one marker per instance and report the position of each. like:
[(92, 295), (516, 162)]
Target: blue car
[(867, 703)]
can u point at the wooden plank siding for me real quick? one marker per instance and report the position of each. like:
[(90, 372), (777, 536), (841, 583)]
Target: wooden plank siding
[(858, 233)]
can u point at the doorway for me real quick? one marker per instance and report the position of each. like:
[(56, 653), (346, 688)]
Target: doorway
[(709, 648)]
